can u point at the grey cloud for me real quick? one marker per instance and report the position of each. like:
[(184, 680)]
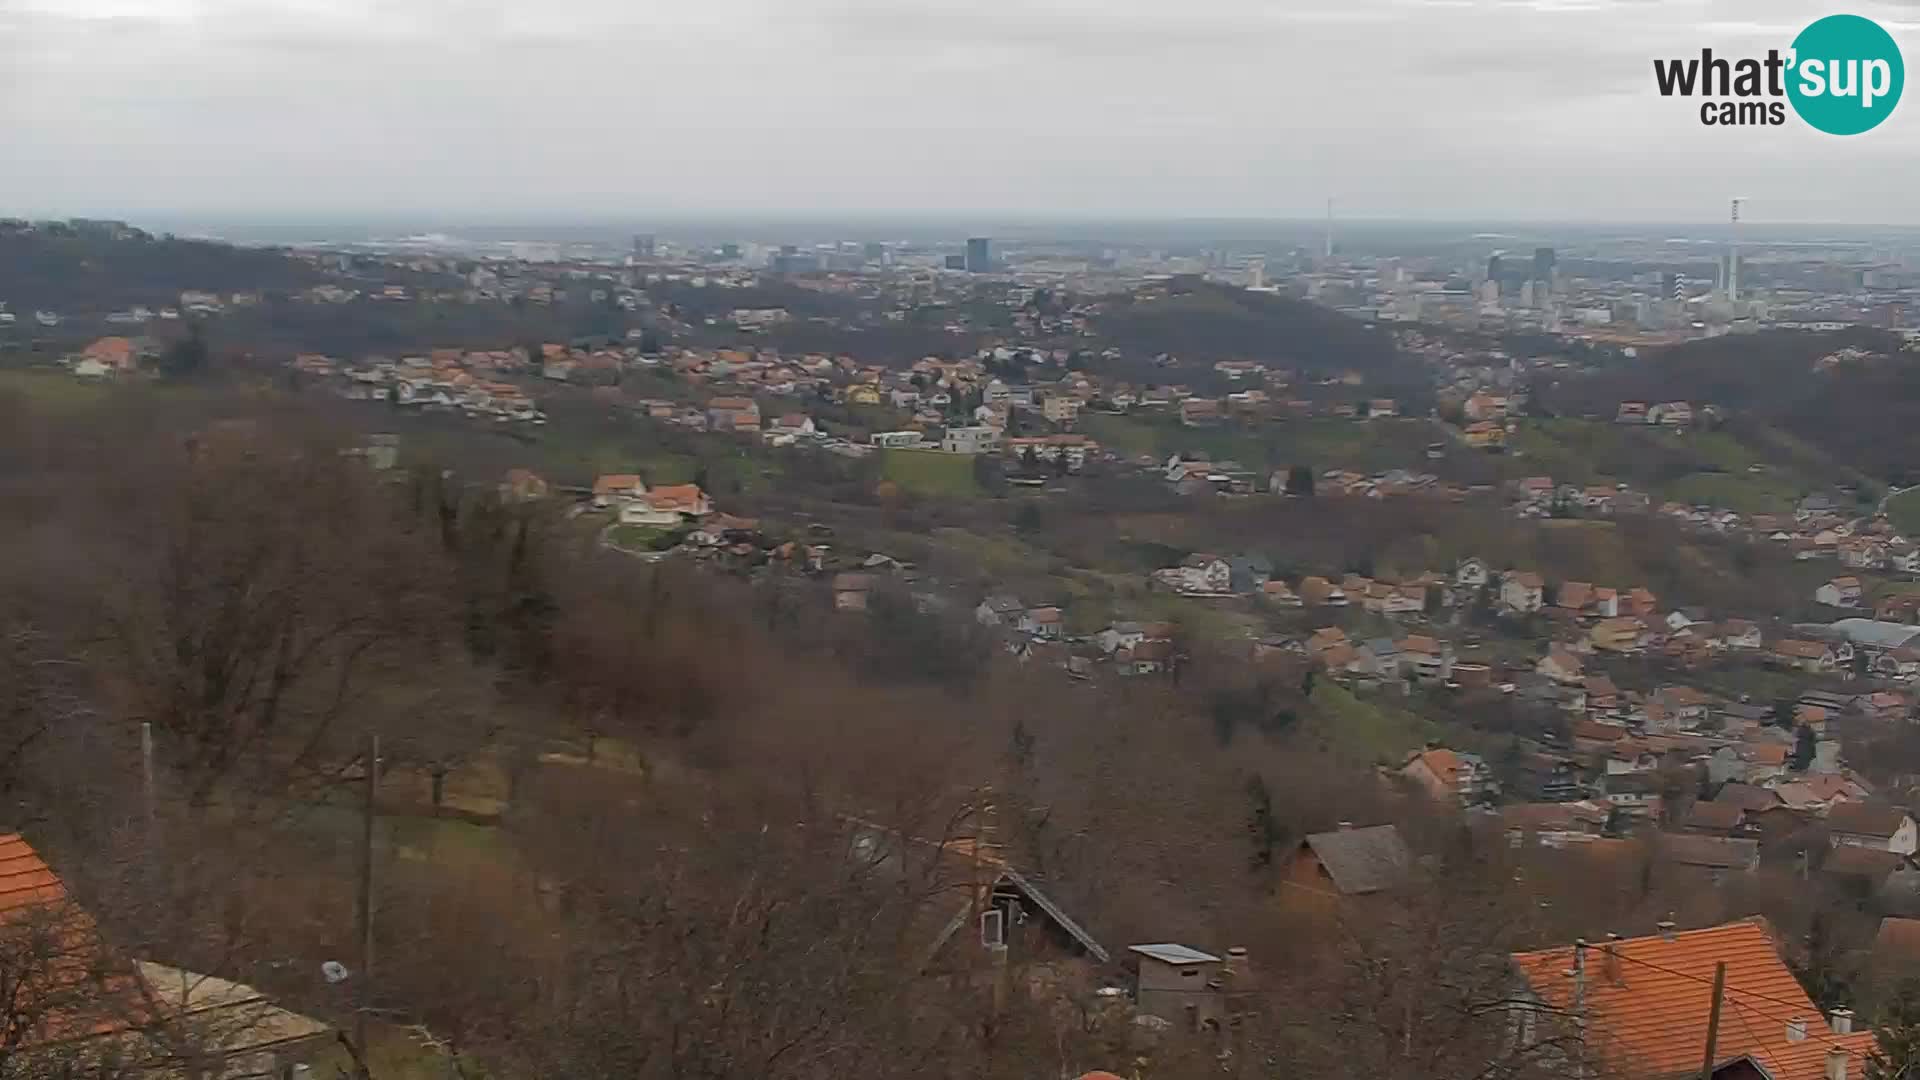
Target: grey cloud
[(636, 107)]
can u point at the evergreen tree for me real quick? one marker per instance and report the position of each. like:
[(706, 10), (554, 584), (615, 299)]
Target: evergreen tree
[(1804, 745)]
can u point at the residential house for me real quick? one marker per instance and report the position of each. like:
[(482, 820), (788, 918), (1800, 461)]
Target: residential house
[(1149, 657), (1200, 412), (1280, 594), (971, 440), (1841, 592), (1633, 1007), (685, 499), (1902, 664), (1450, 775), (1622, 634), (1809, 656), (1382, 408), (1042, 622), (733, 414), (1522, 591), (80, 1008), (615, 489), (1602, 695), (1716, 818), (1325, 638), (1379, 657), (1551, 824), (1428, 659), (1638, 601), (793, 426), (999, 610), (1561, 666), (1204, 573), (1348, 862), (1684, 707), (1714, 858), (1472, 573), (1120, 635), (1319, 592), (1872, 825), (1247, 573), (1740, 634)]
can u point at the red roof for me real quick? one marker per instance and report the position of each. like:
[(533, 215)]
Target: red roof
[(1648, 1005)]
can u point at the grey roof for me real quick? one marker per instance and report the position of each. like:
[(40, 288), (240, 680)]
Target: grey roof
[(1716, 852), (1362, 860), (1055, 912), (1876, 633), (1174, 954)]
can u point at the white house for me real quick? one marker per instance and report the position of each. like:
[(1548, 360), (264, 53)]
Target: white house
[(1472, 573), (1522, 591), (1841, 592), (1880, 827), (971, 440)]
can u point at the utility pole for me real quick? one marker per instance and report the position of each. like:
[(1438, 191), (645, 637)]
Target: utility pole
[(146, 777), (1713, 1019), (363, 979)]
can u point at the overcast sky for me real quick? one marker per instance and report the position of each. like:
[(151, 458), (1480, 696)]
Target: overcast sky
[(648, 109)]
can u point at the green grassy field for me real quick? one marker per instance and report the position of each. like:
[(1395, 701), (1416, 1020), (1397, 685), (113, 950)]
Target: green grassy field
[(1702, 467), (1363, 730), (929, 472), (1322, 443)]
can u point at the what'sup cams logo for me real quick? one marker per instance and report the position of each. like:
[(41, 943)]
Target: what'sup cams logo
[(1842, 75)]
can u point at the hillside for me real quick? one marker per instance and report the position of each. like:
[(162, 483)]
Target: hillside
[(68, 270), (1199, 321), (1863, 413)]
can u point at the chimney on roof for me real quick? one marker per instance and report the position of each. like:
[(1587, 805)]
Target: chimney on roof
[(1611, 965), (1579, 973), (1237, 972), (1796, 1030), (1841, 1020), (1836, 1064), (1665, 926)]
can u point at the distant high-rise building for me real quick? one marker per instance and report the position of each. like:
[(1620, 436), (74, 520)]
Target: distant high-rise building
[(956, 262), (875, 252), (1493, 266), (644, 246), (730, 251), (1543, 264), (979, 258)]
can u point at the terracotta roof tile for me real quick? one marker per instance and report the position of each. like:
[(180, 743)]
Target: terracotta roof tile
[(1648, 1007)]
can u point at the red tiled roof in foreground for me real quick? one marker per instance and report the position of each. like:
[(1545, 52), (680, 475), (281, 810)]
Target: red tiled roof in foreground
[(1648, 1007), (76, 990)]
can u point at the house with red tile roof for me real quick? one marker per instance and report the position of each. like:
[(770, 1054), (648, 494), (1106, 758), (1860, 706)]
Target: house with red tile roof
[(1645, 1005), (74, 1002)]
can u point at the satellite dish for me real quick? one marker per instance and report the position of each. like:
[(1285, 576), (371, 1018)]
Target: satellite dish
[(334, 971)]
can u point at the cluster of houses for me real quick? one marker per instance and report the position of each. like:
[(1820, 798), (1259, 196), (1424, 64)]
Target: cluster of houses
[(1039, 634)]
